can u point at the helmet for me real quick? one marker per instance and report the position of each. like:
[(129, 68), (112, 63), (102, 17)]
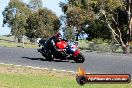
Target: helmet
[(58, 36)]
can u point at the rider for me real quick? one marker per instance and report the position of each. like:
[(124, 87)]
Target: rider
[(51, 43)]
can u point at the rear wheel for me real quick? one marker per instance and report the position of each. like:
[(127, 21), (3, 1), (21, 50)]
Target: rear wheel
[(79, 58)]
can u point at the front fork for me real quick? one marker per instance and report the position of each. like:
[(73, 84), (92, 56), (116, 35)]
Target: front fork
[(41, 50)]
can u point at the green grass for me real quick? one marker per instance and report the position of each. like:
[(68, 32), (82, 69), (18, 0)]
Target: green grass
[(83, 44), (7, 37), (103, 47), (32, 81), (14, 44), (23, 77), (8, 41), (36, 81)]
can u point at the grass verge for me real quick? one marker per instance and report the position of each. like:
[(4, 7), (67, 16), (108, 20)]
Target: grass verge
[(14, 44), (26, 77), (8, 41)]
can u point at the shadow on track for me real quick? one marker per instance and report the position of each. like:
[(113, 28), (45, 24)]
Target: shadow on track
[(42, 59)]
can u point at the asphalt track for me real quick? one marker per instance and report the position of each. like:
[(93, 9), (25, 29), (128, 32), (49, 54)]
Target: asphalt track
[(100, 63)]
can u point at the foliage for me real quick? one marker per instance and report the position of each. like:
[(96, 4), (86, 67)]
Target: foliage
[(100, 40), (77, 15), (15, 15), (42, 23), (115, 15), (111, 15), (33, 22), (98, 30), (69, 33), (18, 26)]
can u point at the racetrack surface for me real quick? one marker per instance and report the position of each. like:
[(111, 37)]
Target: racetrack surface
[(95, 62)]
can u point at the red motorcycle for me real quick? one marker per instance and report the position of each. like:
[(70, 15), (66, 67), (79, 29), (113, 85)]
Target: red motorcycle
[(65, 51)]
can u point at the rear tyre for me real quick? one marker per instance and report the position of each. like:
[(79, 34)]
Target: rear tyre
[(79, 58)]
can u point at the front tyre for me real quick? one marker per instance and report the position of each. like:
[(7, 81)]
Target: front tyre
[(79, 58), (48, 57)]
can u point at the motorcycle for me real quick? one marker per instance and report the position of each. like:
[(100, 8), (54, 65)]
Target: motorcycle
[(66, 51)]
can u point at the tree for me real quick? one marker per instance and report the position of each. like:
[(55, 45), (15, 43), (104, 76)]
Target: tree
[(116, 17), (69, 33), (77, 13), (114, 14), (97, 30), (15, 15), (43, 23)]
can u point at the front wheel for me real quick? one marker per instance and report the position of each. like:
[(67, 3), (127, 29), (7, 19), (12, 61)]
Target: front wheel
[(48, 57), (79, 58)]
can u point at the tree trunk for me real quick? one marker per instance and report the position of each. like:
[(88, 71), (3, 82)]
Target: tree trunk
[(125, 49), (19, 39), (77, 36), (77, 33)]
